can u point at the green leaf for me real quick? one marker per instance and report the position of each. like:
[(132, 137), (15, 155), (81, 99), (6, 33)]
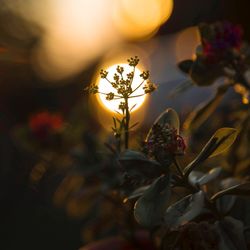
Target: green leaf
[(194, 177), (210, 176), (186, 66), (204, 110), (184, 210), (199, 178), (170, 117), (219, 142), (231, 233), (137, 193), (241, 189), (149, 209)]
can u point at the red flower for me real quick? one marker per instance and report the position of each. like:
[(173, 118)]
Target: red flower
[(221, 39), (44, 124)]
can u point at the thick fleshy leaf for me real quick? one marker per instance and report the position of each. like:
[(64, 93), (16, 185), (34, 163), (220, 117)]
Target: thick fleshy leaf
[(204, 110), (231, 233), (150, 208), (194, 177), (219, 142), (225, 203), (131, 155), (137, 193), (204, 74), (136, 163), (199, 178), (210, 176), (241, 190), (186, 66), (167, 117), (184, 210)]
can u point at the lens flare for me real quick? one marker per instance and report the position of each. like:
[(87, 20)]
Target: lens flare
[(105, 87)]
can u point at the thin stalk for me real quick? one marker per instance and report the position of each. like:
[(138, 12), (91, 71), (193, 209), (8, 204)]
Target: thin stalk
[(178, 167), (138, 86), (127, 120), (118, 97)]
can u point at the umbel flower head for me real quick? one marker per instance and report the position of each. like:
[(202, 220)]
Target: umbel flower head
[(124, 88), (164, 141), (122, 83)]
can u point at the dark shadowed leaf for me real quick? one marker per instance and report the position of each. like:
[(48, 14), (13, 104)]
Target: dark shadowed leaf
[(149, 209), (131, 155), (203, 74), (186, 66), (137, 193), (136, 163), (231, 233), (225, 203), (204, 110), (184, 210), (241, 190), (219, 142)]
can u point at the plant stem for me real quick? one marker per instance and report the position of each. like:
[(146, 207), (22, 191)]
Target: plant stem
[(176, 163), (127, 120), (138, 86)]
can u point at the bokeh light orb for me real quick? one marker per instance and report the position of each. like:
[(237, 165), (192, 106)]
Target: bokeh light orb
[(105, 87), (140, 19)]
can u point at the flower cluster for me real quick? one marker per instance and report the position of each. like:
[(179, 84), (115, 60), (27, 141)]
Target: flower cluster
[(149, 87), (44, 124), (220, 40), (122, 84), (133, 61), (164, 140)]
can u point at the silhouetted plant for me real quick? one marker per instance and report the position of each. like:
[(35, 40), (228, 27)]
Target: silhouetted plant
[(123, 86), (153, 176)]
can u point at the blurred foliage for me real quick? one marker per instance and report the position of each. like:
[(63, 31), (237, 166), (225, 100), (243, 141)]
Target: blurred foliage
[(223, 54)]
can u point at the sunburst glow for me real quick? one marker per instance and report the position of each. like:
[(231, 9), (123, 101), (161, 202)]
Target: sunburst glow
[(105, 87)]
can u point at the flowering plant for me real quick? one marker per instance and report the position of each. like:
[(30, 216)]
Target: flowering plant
[(152, 176), (224, 54), (123, 86)]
